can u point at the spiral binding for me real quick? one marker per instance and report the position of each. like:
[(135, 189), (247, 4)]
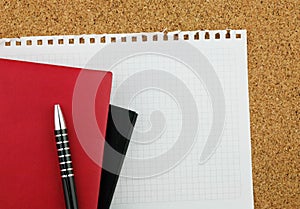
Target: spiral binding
[(64, 154), (213, 35)]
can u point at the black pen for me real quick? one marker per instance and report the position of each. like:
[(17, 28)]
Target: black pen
[(65, 161)]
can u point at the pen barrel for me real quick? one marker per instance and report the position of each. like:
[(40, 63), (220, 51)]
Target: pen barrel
[(68, 201), (73, 192), (64, 153)]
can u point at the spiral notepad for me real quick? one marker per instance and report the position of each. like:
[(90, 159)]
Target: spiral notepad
[(191, 145)]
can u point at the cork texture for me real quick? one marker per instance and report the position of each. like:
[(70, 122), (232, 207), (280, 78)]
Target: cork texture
[(273, 58)]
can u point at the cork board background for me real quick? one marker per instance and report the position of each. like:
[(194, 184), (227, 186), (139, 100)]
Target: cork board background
[(273, 57)]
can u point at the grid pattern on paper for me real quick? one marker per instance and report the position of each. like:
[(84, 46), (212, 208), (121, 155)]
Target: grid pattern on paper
[(217, 179)]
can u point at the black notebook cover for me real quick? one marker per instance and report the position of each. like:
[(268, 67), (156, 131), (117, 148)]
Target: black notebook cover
[(120, 126)]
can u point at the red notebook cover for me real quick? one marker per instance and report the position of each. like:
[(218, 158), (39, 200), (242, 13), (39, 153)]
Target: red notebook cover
[(29, 173)]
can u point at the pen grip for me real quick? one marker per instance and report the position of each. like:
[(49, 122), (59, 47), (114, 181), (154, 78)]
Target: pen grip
[(65, 161), (64, 153)]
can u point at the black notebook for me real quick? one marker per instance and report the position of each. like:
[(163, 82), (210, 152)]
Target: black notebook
[(120, 124)]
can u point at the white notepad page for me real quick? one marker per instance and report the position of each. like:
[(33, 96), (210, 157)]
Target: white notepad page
[(191, 144)]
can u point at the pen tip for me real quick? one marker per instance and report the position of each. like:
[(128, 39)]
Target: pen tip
[(59, 122)]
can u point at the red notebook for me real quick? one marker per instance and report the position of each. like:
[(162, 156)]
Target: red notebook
[(29, 173)]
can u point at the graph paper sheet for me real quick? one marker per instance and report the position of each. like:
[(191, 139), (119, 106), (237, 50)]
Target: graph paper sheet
[(191, 145)]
